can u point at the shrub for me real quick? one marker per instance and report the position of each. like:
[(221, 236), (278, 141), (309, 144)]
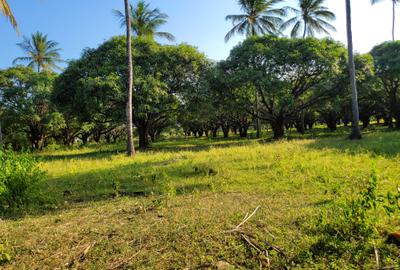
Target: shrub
[(19, 174), (4, 256), (350, 229)]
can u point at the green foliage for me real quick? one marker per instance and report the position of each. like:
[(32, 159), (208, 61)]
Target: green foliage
[(259, 17), (41, 53), (25, 102), (92, 89), (387, 69), (290, 75), (4, 256), (145, 21), (353, 225), (19, 175), (311, 17)]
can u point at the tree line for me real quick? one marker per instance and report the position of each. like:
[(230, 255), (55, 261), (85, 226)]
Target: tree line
[(282, 82)]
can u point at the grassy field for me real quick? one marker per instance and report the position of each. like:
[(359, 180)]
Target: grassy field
[(175, 206)]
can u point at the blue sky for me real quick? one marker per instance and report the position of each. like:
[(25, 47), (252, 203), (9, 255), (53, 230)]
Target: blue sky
[(77, 24)]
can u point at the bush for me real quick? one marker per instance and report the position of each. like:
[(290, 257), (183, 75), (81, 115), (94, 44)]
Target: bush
[(350, 229), (19, 174), (4, 256)]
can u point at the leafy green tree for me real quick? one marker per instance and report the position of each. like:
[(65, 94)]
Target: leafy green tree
[(145, 21), (259, 17), (92, 88), (387, 69), (310, 17), (42, 54), (370, 95), (394, 3), (6, 10), (25, 97), (290, 75)]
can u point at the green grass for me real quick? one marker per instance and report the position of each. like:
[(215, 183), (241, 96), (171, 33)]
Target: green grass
[(179, 199)]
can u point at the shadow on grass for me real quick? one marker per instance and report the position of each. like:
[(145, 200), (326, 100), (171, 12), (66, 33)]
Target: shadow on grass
[(88, 155), (136, 180), (384, 143)]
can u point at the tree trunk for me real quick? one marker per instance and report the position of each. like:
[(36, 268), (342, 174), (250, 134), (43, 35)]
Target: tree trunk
[(129, 107), (258, 124), (1, 137), (214, 132), (394, 19), (235, 130), (305, 30), (278, 128), (300, 125), (85, 137), (143, 138), (366, 122), (356, 133), (225, 131), (152, 136), (243, 132)]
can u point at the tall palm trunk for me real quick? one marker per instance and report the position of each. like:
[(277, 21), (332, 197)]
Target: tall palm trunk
[(258, 124), (356, 133), (394, 18), (305, 30), (129, 116), (1, 138)]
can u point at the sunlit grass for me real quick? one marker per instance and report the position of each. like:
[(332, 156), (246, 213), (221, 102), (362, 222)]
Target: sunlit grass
[(179, 197)]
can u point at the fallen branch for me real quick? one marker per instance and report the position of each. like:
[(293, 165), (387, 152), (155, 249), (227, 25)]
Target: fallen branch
[(251, 240), (376, 257), (121, 263), (247, 217), (81, 256)]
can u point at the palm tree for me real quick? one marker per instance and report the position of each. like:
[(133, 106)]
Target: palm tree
[(394, 2), (129, 107), (310, 17), (6, 10), (259, 18), (41, 53), (356, 133), (145, 21)]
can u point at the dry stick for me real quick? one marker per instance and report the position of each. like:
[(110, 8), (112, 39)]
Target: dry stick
[(253, 245), (272, 246), (120, 263), (247, 218), (376, 256), (81, 256)]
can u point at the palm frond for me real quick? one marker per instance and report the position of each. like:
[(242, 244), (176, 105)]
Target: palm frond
[(6, 11)]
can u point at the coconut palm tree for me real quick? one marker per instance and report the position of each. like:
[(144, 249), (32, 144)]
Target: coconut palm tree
[(42, 54), (310, 17), (259, 17), (6, 10), (356, 133), (129, 106), (394, 3), (145, 21)]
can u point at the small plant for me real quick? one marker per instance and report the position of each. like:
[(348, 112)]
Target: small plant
[(4, 256), (353, 225), (205, 170), (116, 186), (19, 174), (358, 212)]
